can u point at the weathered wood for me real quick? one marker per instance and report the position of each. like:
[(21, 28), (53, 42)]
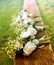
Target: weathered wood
[(43, 56)]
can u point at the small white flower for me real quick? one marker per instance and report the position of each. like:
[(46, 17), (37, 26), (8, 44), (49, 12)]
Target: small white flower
[(18, 19), (14, 41), (18, 46), (6, 48), (8, 52), (29, 48)]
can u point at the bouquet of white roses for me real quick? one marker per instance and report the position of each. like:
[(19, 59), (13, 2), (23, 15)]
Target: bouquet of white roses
[(25, 42)]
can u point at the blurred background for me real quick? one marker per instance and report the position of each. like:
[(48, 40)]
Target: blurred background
[(9, 10)]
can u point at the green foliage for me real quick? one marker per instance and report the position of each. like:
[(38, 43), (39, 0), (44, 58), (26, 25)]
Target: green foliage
[(4, 59)]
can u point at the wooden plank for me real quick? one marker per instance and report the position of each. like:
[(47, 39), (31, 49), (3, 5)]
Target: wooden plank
[(43, 56)]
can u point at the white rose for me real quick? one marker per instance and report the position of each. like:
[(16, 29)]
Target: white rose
[(29, 48), (25, 34), (32, 30), (27, 20)]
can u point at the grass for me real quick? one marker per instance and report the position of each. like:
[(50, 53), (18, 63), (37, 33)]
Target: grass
[(46, 8), (9, 10), (4, 59)]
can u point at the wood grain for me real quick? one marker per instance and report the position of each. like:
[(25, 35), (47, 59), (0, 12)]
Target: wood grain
[(43, 56)]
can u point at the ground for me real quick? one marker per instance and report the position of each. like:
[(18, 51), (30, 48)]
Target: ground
[(9, 10)]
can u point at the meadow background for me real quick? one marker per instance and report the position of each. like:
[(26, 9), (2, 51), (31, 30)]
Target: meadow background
[(9, 10)]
